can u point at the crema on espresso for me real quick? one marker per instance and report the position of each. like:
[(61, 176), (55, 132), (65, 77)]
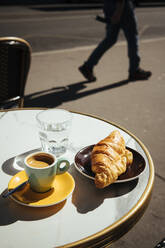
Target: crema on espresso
[(40, 160)]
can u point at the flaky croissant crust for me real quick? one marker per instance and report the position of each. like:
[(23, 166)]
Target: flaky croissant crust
[(110, 159)]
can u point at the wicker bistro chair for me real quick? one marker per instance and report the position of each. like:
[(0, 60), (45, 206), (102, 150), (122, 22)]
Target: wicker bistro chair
[(15, 60)]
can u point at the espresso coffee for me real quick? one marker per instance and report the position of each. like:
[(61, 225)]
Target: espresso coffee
[(40, 160)]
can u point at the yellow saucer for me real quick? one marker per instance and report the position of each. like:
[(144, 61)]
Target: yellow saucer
[(62, 188)]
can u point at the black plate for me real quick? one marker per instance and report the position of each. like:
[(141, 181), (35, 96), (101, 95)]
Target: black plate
[(83, 165)]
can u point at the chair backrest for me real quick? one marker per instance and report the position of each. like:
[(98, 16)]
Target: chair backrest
[(15, 60)]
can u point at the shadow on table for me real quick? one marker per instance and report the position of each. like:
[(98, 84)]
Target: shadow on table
[(56, 96), (16, 164), (86, 197), (12, 212)]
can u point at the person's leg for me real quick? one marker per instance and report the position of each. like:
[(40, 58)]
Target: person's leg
[(129, 26), (110, 39)]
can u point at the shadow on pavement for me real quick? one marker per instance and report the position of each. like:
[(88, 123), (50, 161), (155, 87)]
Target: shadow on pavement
[(66, 7), (56, 96), (55, 4)]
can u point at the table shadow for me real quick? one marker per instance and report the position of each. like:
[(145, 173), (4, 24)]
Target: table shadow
[(86, 197), (12, 211)]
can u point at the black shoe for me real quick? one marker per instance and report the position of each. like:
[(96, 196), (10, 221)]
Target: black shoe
[(87, 73), (140, 75)]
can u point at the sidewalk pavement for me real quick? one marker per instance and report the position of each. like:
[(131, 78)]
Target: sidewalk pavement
[(54, 81)]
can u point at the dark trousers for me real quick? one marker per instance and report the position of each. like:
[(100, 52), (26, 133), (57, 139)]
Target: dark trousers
[(129, 26)]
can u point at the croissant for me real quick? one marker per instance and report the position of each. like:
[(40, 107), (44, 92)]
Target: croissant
[(110, 159)]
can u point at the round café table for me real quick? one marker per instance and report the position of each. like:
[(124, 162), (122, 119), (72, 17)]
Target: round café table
[(90, 217)]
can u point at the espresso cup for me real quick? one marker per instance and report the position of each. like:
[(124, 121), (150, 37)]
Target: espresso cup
[(41, 169)]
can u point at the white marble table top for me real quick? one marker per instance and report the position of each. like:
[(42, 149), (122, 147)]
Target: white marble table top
[(90, 215)]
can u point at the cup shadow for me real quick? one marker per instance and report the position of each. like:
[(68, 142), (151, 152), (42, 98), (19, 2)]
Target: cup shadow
[(12, 211), (16, 164), (86, 197)]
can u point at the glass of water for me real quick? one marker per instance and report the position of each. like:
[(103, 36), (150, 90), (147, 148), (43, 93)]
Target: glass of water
[(54, 128)]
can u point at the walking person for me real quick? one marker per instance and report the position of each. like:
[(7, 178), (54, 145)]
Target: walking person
[(119, 14)]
